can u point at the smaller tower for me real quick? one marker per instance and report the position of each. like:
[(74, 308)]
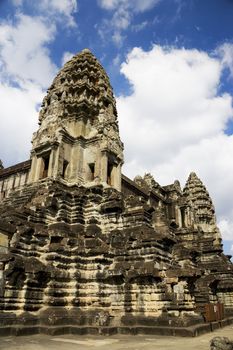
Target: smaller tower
[(200, 200), (78, 137), (201, 206)]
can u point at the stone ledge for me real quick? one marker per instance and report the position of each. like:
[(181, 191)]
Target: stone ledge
[(192, 331)]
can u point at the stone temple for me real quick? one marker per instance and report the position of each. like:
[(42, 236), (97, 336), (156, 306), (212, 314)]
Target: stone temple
[(84, 249)]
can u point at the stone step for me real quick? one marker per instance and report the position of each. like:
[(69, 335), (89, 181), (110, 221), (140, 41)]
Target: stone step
[(192, 331)]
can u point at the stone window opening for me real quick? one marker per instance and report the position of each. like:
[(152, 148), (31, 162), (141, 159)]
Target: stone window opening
[(91, 171), (64, 168), (45, 160), (13, 183), (182, 213), (55, 239)]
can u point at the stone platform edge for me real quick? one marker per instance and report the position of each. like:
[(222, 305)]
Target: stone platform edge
[(192, 331)]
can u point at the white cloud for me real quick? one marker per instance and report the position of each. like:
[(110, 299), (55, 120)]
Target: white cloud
[(53, 10), (26, 70), (136, 5), (108, 4), (17, 2), (118, 38), (66, 57), (18, 118), (226, 228), (117, 60), (121, 19), (226, 53), (65, 8), (23, 50), (123, 13), (173, 122), (138, 27)]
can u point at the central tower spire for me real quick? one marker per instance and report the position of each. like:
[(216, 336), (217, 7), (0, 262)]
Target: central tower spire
[(78, 137)]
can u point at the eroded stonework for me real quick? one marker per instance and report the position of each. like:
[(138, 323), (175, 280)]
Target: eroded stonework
[(84, 248)]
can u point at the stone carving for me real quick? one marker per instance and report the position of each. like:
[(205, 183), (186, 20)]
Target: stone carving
[(221, 343), (147, 182), (84, 248), (150, 181)]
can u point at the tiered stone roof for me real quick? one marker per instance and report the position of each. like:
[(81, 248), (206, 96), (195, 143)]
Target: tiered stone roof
[(80, 88), (200, 200)]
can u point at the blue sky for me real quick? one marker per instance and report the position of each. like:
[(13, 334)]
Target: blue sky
[(170, 63)]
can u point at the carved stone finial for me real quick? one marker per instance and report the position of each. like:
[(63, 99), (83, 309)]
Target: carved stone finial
[(177, 185), (193, 175), (147, 182), (86, 51), (150, 181), (138, 179)]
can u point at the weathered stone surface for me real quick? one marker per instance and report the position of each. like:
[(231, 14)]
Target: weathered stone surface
[(82, 245), (221, 343)]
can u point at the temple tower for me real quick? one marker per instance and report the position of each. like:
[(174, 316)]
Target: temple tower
[(78, 137), (200, 200), (202, 206)]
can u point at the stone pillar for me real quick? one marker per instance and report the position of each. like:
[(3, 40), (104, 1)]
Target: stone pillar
[(178, 215), (189, 218), (104, 167), (52, 160), (98, 163), (2, 279), (80, 165), (76, 162), (32, 175), (57, 157), (186, 217), (39, 168), (58, 166), (73, 162), (117, 177)]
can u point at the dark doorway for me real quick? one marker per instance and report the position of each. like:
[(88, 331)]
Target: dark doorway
[(92, 171), (65, 165), (45, 166)]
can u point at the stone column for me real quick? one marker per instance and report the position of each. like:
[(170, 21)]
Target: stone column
[(98, 162), (58, 164), (116, 176), (80, 163), (76, 162), (36, 170), (2, 279), (39, 168), (104, 167), (31, 177), (178, 216), (52, 160)]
